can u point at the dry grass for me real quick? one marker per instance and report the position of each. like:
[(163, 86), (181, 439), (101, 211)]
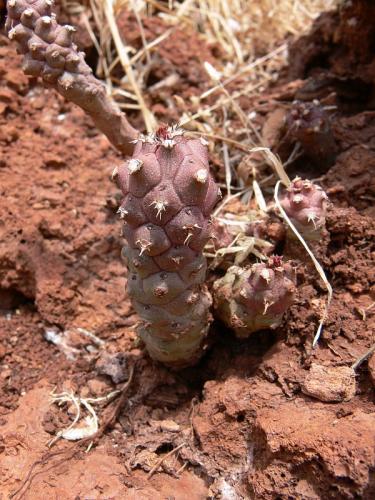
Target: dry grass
[(251, 35), (252, 39)]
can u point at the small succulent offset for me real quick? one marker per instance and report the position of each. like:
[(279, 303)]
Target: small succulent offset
[(305, 203), (256, 298), (169, 195), (309, 124)]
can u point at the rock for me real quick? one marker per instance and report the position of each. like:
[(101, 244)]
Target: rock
[(331, 384), (113, 365), (98, 387), (146, 460), (168, 426), (310, 438), (9, 134)]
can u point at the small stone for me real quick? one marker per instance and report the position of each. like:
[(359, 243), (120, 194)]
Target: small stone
[(332, 384), (9, 134), (38, 102), (113, 365), (169, 426), (146, 460), (5, 373), (85, 392), (97, 387)]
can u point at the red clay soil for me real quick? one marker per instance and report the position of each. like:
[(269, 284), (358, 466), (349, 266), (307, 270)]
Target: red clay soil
[(252, 420)]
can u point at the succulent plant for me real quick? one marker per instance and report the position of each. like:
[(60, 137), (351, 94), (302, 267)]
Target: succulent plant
[(49, 52), (309, 124), (255, 298), (168, 191), (169, 195), (168, 198), (305, 203)]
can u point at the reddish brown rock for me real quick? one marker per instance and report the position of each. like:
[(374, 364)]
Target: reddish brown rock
[(332, 384)]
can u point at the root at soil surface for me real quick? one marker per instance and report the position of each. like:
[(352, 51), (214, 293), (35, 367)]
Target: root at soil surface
[(44, 463)]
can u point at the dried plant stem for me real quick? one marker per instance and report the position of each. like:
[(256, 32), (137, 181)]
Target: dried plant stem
[(158, 464), (274, 161), (219, 137), (151, 45), (148, 117), (98, 48), (244, 70), (363, 358)]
